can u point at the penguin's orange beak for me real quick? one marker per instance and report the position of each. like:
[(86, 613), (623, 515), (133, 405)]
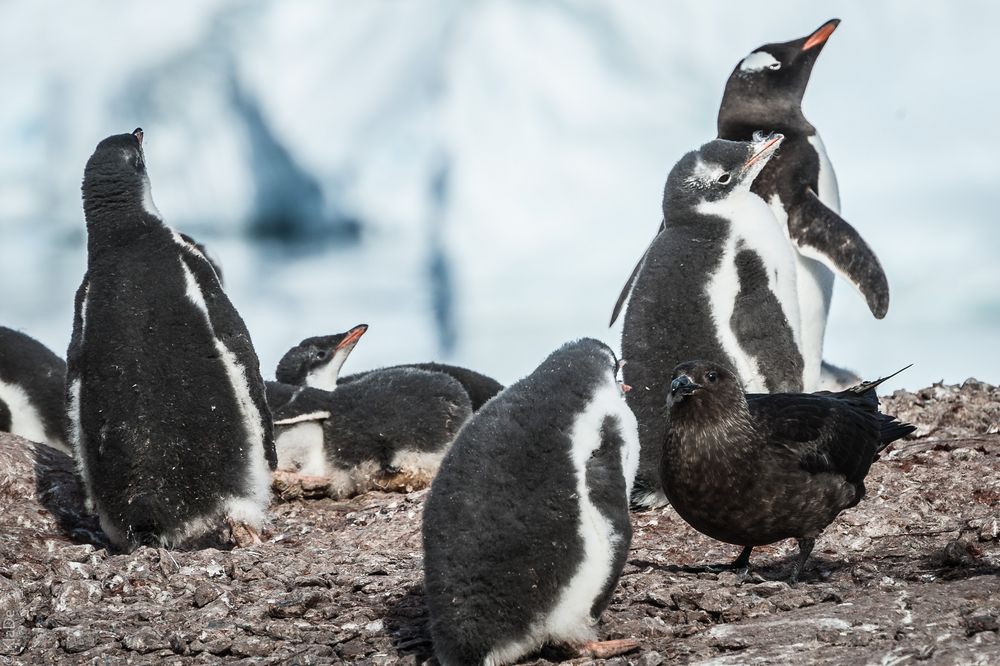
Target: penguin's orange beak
[(821, 35), (765, 151), (352, 336)]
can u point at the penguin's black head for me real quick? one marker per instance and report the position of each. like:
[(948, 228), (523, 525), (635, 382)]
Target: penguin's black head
[(115, 176), (703, 387), (766, 88), (317, 361), (717, 169)]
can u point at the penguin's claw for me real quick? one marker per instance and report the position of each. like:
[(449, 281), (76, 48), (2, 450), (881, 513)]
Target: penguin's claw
[(607, 649)]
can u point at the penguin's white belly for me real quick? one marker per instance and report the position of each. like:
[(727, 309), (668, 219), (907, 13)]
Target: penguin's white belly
[(829, 191), (300, 449), (815, 280), (25, 420), (570, 620), (754, 227)]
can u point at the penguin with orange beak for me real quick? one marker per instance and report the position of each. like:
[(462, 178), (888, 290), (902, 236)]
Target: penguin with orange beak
[(764, 93)]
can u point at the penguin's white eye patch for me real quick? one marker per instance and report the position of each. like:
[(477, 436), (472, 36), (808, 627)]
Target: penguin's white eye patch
[(759, 60), (703, 174)]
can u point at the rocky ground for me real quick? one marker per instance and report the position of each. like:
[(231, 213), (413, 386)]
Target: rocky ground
[(911, 575)]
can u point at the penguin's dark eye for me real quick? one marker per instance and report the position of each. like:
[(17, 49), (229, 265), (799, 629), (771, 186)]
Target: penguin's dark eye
[(712, 376), (774, 65), (320, 355), (723, 179)]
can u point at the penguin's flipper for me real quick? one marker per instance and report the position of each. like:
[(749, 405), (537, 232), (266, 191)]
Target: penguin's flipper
[(302, 418), (627, 289), (821, 234), (231, 331)]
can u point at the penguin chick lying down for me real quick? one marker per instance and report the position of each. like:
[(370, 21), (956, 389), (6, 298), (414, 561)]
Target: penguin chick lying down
[(387, 431), (317, 362)]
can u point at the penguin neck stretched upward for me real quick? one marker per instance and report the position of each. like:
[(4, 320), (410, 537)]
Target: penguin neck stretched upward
[(118, 215)]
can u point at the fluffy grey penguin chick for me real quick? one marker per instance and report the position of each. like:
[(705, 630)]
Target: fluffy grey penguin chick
[(167, 411), (754, 469), (317, 362), (32, 390), (526, 528), (719, 281), (386, 431)]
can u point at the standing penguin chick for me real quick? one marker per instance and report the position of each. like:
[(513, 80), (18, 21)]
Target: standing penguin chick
[(386, 431), (718, 282), (167, 410), (754, 469), (32, 388), (764, 93), (526, 529)]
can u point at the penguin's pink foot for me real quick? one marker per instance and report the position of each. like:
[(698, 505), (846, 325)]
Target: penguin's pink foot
[(292, 485), (242, 534), (607, 649)]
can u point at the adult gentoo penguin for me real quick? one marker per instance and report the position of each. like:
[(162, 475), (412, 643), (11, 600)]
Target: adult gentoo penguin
[(167, 410), (388, 430), (754, 469), (526, 529), (764, 92), (717, 282), (32, 387), (317, 362)]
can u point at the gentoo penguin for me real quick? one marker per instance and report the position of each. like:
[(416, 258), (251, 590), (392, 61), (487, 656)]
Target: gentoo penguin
[(718, 282), (167, 410), (33, 385), (526, 529), (317, 362), (764, 93), (387, 430), (754, 469)]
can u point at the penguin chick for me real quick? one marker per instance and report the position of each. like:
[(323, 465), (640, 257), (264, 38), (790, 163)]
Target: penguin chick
[(754, 469), (317, 362), (526, 529), (479, 387), (167, 412), (718, 282), (386, 431), (32, 387)]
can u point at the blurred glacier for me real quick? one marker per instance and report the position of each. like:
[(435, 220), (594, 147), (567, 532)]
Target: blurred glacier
[(476, 179)]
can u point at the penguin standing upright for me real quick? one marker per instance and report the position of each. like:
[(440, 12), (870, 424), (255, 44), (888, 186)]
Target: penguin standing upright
[(167, 409), (32, 390), (526, 529), (317, 362), (764, 93), (717, 282)]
